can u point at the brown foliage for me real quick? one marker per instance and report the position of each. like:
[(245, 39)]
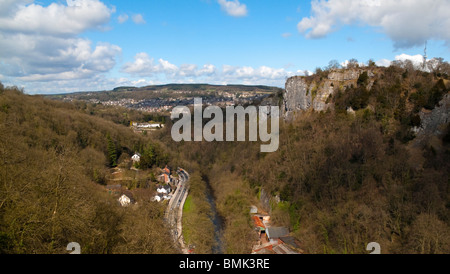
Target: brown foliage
[(52, 158)]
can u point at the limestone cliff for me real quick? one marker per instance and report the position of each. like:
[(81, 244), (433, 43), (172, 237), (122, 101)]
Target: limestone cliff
[(433, 123), (314, 93), (401, 99)]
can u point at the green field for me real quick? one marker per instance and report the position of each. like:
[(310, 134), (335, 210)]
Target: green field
[(187, 209)]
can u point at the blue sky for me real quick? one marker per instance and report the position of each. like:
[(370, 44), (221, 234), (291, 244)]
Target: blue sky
[(87, 45)]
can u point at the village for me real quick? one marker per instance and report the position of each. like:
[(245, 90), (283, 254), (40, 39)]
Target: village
[(272, 239), (119, 184), (163, 99), (171, 188)]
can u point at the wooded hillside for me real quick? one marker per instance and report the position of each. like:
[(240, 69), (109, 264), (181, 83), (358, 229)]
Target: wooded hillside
[(53, 163), (345, 178)]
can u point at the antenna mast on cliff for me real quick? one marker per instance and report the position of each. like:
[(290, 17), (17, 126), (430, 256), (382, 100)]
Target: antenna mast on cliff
[(425, 56)]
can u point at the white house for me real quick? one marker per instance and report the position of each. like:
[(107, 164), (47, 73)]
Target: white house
[(164, 189), (124, 200), (136, 157), (156, 198), (147, 125), (161, 197)]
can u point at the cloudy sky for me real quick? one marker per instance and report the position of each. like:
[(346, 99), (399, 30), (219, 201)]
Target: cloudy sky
[(88, 45)]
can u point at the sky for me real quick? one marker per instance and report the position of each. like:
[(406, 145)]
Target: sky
[(50, 47)]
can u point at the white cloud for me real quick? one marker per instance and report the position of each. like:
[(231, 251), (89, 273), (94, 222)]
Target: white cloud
[(138, 19), (142, 65), (145, 66), (407, 22), (35, 57), (233, 8), (344, 64), (56, 19), (286, 35), (207, 69), (417, 59), (139, 82), (227, 69), (11, 6), (263, 75), (347, 62), (188, 70), (40, 44), (122, 18), (383, 63), (166, 67), (94, 83), (250, 74)]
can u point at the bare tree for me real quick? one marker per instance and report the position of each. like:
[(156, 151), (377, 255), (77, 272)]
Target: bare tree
[(353, 63)]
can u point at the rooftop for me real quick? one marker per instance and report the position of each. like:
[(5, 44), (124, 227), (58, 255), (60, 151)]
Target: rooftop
[(290, 241), (258, 222), (277, 232)]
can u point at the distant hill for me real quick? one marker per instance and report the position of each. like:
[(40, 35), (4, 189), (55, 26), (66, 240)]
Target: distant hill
[(162, 98), (164, 91)]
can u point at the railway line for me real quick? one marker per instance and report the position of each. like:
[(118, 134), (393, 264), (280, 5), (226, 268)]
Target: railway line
[(174, 211)]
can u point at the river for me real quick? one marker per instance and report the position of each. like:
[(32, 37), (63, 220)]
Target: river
[(219, 246)]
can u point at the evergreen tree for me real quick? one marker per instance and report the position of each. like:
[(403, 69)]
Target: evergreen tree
[(148, 158), (112, 151)]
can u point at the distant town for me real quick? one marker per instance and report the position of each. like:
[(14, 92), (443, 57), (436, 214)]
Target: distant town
[(160, 99)]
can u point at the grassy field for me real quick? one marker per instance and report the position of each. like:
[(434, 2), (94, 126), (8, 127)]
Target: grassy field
[(187, 210)]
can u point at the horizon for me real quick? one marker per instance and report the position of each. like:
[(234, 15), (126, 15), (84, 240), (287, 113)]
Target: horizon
[(161, 85), (62, 47)]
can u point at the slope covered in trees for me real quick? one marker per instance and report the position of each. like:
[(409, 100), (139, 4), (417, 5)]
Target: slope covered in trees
[(344, 179), (53, 162)]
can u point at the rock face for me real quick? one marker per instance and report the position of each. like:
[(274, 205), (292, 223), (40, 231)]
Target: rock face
[(296, 96), (433, 121), (351, 74), (303, 93)]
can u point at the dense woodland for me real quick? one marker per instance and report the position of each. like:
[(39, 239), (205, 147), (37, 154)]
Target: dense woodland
[(54, 159), (343, 179)]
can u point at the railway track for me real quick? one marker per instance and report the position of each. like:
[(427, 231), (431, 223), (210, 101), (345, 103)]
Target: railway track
[(174, 211)]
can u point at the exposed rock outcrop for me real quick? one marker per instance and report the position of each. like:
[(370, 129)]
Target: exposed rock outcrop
[(433, 122), (317, 93), (297, 96), (306, 93)]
